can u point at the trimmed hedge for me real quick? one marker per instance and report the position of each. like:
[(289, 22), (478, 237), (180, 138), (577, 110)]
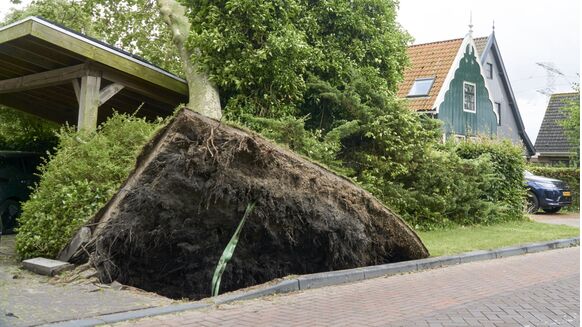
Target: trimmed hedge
[(460, 184), (570, 175), (508, 165)]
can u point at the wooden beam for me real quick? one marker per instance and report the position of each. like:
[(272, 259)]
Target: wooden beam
[(9, 33), (34, 58), (44, 79), (141, 87), (105, 94), (64, 57), (89, 103), (77, 88), (109, 91)]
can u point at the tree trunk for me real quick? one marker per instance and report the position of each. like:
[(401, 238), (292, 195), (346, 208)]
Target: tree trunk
[(203, 95)]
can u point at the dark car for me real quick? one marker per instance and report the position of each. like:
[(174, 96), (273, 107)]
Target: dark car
[(547, 194), (17, 175)]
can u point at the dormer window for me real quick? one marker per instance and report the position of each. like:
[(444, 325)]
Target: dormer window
[(421, 87)]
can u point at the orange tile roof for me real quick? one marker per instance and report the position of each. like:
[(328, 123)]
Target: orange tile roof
[(481, 43), (429, 60)]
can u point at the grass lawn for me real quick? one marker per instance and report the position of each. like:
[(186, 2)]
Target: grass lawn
[(466, 239)]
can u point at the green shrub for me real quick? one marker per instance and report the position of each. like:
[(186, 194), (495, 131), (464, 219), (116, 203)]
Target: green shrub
[(83, 174), (444, 190), (570, 175), (458, 184), (509, 165)]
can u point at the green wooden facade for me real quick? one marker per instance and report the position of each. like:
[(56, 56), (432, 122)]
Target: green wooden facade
[(483, 121)]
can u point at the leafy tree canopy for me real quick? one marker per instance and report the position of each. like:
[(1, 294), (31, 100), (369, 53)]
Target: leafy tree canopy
[(317, 75), (133, 25), (571, 125), (262, 54)]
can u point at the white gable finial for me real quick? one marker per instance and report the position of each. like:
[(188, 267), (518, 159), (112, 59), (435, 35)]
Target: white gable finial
[(471, 22)]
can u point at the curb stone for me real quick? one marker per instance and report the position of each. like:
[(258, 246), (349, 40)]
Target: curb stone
[(511, 251), (330, 278), (286, 286), (323, 279), (129, 315)]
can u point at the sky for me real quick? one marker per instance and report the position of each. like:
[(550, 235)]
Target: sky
[(527, 32), (5, 6)]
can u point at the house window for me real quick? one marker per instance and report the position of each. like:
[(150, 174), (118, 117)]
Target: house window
[(421, 87), (498, 107), (489, 70), (469, 100), (459, 138)]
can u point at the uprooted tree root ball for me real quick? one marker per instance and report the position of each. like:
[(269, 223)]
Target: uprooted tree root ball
[(167, 227)]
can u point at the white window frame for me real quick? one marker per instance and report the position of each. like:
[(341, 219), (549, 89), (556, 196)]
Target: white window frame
[(423, 79), (474, 97), (460, 138)]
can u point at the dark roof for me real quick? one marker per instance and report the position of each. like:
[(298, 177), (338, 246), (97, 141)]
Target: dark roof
[(551, 138)]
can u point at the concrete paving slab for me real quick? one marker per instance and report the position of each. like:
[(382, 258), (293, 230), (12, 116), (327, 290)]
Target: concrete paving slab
[(47, 267)]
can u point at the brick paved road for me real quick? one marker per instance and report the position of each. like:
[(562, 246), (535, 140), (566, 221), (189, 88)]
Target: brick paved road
[(532, 290)]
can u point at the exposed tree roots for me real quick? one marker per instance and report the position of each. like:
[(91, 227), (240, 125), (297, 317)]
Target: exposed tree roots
[(167, 227)]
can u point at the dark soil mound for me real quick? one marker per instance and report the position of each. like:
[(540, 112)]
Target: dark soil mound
[(167, 227)]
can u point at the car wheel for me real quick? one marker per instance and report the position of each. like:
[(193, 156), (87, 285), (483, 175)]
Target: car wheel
[(532, 204), (552, 210), (9, 211)]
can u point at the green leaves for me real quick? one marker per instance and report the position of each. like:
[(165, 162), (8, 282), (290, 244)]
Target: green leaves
[(229, 251), (22, 132), (261, 53), (571, 125), (77, 181)]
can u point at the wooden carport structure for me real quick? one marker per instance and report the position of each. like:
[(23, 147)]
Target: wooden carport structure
[(63, 76)]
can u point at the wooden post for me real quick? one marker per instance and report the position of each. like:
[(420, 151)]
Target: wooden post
[(89, 103)]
